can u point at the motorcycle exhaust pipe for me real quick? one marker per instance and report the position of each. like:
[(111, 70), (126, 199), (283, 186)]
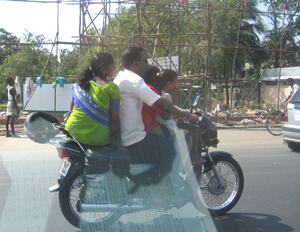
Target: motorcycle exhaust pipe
[(87, 208)]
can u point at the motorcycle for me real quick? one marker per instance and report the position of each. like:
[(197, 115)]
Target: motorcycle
[(97, 185)]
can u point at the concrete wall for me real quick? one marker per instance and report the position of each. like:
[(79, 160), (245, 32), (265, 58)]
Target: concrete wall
[(270, 94)]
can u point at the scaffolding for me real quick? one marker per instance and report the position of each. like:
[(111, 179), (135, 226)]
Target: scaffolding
[(154, 30), (174, 33)]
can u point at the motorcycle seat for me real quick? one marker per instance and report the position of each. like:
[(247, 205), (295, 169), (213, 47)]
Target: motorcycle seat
[(101, 159)]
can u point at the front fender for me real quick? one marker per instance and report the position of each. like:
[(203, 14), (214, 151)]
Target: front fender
[(216, 154), (62, 181)]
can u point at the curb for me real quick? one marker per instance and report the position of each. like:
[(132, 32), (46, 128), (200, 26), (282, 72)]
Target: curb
[(19, 120), (215, 120)]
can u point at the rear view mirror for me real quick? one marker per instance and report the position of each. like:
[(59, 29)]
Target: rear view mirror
[(196, 101)]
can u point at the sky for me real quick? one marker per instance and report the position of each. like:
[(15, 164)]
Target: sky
[(41, 18)]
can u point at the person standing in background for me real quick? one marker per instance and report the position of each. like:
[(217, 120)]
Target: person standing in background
[(12, 110)]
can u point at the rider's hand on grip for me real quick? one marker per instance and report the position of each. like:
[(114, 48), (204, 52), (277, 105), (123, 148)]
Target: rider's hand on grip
[(193, 117)]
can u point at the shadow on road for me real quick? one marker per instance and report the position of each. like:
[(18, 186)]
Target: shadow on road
[(165, 223), (250, 222), (5, 181)]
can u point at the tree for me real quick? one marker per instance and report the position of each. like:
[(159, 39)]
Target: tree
[(30, 59), (235, 22), (284, 18), (69, 62), (8, 44)]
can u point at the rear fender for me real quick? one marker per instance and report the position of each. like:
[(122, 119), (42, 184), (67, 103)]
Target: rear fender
[(63, 180)]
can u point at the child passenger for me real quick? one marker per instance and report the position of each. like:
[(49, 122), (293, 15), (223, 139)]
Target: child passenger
[(152, 79), (169, 84), (164, 83)]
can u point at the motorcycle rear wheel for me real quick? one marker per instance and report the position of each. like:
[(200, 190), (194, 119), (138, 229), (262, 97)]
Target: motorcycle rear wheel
[(89, 221), (217, 200)]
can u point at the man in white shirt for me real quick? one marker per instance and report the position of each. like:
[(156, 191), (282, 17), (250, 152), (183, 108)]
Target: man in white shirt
[(292, 88), (143, 146)]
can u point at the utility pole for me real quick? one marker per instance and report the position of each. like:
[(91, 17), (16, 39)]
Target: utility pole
[(280, 62), (233, 65), (208, 59)]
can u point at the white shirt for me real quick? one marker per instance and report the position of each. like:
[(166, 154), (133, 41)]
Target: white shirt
[(293, 89), (134, 92), (29, 86), (17, 85), (9, 96)]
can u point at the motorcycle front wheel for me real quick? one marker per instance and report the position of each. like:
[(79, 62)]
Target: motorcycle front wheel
[(88, 221), (221, 200)]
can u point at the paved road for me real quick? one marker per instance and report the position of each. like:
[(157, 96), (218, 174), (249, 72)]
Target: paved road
[(270, 201), (29, 169)]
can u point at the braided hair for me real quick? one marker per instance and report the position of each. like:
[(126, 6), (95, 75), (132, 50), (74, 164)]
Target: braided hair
[(99, 62)]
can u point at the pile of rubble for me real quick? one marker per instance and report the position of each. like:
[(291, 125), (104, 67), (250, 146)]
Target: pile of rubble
[(239, 117), (222, 119)]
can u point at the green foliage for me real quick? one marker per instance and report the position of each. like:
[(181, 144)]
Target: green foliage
[(8, 44), (225, 107), (3, 96), (220, 97), (281, 39), (164, 18), (256, 106), (226, 25), (69, 62), (29, 60)]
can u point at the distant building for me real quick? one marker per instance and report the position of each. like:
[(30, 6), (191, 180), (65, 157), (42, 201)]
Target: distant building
[(270, 87)]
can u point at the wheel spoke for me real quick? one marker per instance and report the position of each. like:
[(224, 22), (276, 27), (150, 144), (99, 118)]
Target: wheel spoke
[(213, 196), (85, 216)]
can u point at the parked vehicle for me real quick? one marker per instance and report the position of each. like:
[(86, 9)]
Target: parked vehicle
[(97, 185), (291, 129)]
